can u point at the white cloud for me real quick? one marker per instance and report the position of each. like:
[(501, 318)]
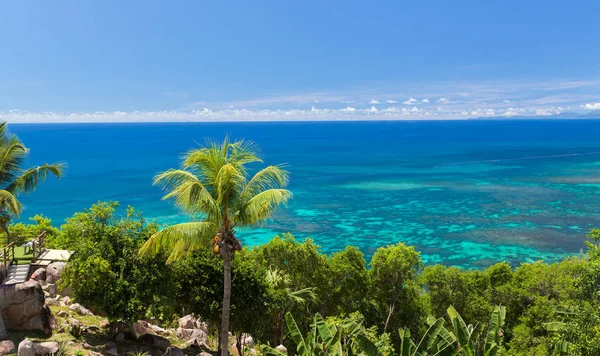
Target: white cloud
[(410, 101), (391, 101), (425, 100), (506, 101), (373, 109), (349, 109), (373, 101), (591, 106), (442, 101)]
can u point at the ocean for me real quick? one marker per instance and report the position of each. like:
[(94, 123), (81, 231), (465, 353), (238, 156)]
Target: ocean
[(466, 193)]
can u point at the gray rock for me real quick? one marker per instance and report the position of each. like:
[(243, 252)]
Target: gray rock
[(7, 347), (79, 309), (66, 300), (23, 307), (120, 336), (111, 349), (247, 340), (54, 271), (46, 348), (187, 322), (52, 289), (26, 348), (140, 328), (190, 334)]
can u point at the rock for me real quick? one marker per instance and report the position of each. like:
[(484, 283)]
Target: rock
[(23, 307), (38, 275), (196, 335), (52, 302), (26, 348), (174, 351), (188, 322), (7, 347), (104, 324), (247, 340), (281, 349), (120, 336), (140, 328), (46, 348), (79, 309), (157, 329), (111, 349), (75, 327), (66, 300), (3, 334), (204, 354), (53, 271), (52, 289), (86, 346), (156, 341), (62, 313)]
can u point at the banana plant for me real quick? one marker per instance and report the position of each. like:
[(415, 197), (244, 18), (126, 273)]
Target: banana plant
[(328, 339), (467, 336), (437, 341)]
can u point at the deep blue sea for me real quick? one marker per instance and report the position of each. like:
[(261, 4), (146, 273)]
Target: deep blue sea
[(466, 193)]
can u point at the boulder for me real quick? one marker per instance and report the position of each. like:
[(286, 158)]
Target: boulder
[(140, 328), (7, 347), (104, 324), (111, 349), (204, 354), (66, 300), (281, 349), (188, 322), (75, 327), (62, 313), (54, 271), (157, 329), (174, 351), (23, 307), (39, 275), (26, 348), (79, 309), (46, 348), (155, 341), (120, 336), (195, 335)]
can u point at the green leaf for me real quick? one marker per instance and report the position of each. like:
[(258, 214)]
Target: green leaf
[(296, 334)]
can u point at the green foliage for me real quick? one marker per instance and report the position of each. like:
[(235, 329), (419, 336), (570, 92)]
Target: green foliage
[(21, 232), (329, 338), (14, 178), (106, 274)]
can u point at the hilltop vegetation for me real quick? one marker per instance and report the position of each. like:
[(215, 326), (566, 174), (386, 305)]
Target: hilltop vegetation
[(547, 305)]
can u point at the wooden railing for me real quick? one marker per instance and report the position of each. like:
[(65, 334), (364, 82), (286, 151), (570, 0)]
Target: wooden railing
[(39, 245), (7, 254)]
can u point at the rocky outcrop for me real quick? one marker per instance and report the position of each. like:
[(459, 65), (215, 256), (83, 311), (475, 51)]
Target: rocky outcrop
[(79, 309), (7, 347), (23, 307), (54, 271), (140, 328), (281, 349)]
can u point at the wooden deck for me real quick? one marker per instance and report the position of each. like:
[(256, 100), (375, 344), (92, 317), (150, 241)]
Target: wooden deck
[(53, 256)]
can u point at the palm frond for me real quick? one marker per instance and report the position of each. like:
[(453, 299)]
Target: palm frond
[(271, 177), (189, 193), (12, 157), (28, 180), (303, 295), (260, 207), (243, 152), (180, 239), (228, 180), (10, 203)]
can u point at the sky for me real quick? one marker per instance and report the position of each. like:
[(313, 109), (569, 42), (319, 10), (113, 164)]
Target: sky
[(90, 61)]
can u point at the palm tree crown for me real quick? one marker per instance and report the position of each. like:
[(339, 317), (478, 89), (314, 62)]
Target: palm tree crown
[(213, 184), (14, 179)]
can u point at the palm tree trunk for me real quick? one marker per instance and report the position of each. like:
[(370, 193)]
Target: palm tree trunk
[(392, 307), (226, 303)]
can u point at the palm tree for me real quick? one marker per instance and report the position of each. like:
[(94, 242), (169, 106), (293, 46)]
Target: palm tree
[(14, 179), (214, 185)]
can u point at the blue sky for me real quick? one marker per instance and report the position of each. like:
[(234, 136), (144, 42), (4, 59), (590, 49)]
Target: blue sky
[(107, 60)]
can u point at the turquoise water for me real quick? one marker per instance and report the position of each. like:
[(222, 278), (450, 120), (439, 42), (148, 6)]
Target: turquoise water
[(467, 193)]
